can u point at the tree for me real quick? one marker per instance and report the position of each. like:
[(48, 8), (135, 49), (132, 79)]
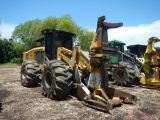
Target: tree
[(18, 49), (30, 30), (6, 50), (48, 23), (66, 23), (26, 32), (2, 51), (85, 38)]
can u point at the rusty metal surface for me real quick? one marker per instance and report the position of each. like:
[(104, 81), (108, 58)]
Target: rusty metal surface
[(105, 100), (104, 97), (112, 25), (127, 97), (97, 105)]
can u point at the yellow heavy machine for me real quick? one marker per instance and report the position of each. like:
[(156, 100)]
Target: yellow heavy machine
[(142, 64), (63, 67), (150, 74), (35, 59)]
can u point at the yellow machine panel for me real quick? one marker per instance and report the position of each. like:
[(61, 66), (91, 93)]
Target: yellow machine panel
[(151, 64), (37, 54), (30, 55)]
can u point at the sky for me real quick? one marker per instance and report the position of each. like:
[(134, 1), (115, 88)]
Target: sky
[(141, 18)]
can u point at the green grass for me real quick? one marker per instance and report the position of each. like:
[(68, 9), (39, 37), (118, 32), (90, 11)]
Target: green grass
[(9, 64)]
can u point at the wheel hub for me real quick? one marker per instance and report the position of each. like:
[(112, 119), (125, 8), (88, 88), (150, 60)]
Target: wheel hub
[(121, 74)]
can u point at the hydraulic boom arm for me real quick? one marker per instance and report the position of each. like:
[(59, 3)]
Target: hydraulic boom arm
[(97, 93)]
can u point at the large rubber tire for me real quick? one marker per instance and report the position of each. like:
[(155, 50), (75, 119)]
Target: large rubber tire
[(124, 76), (30, 72), (56, 80)]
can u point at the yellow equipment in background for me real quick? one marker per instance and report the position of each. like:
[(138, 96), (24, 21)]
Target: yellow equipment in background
[(150, 75)]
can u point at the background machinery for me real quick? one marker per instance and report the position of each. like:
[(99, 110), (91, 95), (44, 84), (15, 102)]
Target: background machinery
[(150, 74), (63, 67), (126, 75), (137, 65)]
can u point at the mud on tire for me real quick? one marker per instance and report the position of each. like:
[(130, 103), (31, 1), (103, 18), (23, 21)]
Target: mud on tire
[(56, 80), (124, 76), (30, 73)]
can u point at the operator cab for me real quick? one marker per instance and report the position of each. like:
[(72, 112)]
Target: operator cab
[(117, 44), (54, 39), (138, 50), (46, 45)]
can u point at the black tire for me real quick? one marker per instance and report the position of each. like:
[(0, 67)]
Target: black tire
[(30, 72), (56, 80), (124, 76)]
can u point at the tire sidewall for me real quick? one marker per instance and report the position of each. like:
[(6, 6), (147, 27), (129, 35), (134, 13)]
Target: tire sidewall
[(129, 77), (48, 90), (23, 81), (31, 79)]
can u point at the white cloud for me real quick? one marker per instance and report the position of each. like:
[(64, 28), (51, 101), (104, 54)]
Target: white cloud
[(136, 34), (6, 30)]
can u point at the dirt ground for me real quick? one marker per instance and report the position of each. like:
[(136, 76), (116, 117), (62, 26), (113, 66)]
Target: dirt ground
[(20, 103)]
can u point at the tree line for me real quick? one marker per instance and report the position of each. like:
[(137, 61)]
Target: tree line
[(11, 50)]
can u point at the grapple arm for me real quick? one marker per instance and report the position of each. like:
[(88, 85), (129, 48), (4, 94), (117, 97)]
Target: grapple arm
[(104, 97)]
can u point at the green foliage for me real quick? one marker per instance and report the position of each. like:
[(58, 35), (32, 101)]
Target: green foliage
[(26, 32), (9, 64), (6, 50), (66, 23), (85, 38), (16, 60), (157, 48), (127, 51), (18, 49), (12, 50), (48, 23), (30, 30), (2, 51)]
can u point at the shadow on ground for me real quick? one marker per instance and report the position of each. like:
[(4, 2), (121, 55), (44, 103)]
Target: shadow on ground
[(3, 95)]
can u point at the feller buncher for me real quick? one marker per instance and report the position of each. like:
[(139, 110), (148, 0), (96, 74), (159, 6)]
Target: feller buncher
[(150, 74), (63, 68), (129, 74), (142, 62), (123, 76)]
